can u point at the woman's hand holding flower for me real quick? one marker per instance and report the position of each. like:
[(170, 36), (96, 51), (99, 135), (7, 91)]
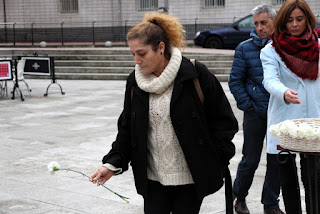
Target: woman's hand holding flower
[(102, 175)]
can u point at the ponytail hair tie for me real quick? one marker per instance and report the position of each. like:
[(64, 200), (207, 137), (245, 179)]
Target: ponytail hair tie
[(153, 21)]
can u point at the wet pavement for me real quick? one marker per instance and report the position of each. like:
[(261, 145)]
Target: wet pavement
[(76, 130)]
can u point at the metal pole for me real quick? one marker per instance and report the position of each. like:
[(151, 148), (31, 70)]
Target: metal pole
[(119, 11), (5, 21), (195, 25), (125, 31), (32, 33), (14, 34), (120, 17), (62, 33), (93, 39)]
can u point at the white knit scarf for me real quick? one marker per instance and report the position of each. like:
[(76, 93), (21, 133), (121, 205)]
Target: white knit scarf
[(153, 84)]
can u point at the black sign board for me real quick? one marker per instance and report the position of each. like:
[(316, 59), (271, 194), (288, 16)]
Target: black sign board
[(37, 66)]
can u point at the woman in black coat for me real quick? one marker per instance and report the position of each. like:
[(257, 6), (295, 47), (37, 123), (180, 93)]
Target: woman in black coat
[(176, 144)]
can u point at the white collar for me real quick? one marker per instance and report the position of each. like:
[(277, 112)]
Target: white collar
[(152, 84)]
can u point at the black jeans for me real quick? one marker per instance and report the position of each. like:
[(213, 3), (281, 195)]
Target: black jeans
[(254, 131), (180, 199), (289, 182)]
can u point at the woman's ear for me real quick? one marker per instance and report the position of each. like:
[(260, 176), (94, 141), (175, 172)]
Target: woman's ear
[(162, 47)]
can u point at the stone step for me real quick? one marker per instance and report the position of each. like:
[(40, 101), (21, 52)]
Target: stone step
[(71, 53), (93, 63), (111, 64), (104, 76), (83, 76), (62, 51), (58, 58), (217, 71), (78, 51), (121, 70), (92, 76), (92, 70), (223, 77), (93, 57), (123, 63), (200, 58)]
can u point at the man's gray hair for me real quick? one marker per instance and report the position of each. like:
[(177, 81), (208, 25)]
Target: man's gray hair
[(264, 8)]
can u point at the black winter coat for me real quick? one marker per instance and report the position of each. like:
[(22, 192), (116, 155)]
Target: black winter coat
[(205, 131)]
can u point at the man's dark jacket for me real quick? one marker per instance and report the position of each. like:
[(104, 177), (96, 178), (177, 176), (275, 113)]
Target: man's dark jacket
[(205, 131), (247, 74)]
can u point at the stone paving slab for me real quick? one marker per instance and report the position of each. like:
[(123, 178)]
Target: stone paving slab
[(76, 130)]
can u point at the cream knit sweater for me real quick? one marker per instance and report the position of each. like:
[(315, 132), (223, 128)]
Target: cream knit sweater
[(166, 161)]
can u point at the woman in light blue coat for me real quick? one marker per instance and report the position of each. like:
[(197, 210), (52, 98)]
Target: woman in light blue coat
[(291, 76), (277, 80)]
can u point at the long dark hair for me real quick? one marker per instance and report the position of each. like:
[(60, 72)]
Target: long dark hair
[(279, 23)]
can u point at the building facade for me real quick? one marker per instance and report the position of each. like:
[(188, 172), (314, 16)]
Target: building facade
[(97, 17)]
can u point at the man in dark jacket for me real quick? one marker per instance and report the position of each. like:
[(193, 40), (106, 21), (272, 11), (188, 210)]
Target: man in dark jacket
[(246, 86)]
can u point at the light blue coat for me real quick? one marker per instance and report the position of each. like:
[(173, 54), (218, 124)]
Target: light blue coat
[(277, 79)]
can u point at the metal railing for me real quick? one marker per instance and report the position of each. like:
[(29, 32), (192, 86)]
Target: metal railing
[(90, 33)]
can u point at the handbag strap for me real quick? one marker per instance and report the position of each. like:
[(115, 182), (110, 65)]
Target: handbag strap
[(228, 191), (197, 84)]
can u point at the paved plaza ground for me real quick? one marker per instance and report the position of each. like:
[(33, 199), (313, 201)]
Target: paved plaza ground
[(76, 130)]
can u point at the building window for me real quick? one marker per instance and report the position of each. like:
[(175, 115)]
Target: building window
[(278, 2), (147, 5), (213, 3), (69, 6)]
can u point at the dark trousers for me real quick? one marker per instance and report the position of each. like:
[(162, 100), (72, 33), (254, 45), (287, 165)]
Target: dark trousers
[(171, 199), (289, 183), (306, 182), (254, 131)]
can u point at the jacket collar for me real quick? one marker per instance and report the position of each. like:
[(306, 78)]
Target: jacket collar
[(187, 70), (257, 40)]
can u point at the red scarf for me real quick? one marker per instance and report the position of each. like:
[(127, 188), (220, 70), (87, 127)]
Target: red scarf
[(300, 54)]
